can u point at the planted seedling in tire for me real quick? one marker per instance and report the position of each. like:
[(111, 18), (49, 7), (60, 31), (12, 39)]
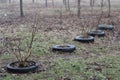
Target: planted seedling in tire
[(84, 38), (23, 64), (97, 32), (63, 47)]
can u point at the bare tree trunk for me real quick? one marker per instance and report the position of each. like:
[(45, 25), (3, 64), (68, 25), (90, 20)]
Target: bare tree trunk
[(46, 3), (68, 5), (65, 3), (53, 3), (79, 8), (102, 6), (9, 1), (92, 3), (33, 1), (21, 8), (109, 5), (100, 17)]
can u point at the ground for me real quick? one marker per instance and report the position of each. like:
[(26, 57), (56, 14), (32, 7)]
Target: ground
[(94, 61)]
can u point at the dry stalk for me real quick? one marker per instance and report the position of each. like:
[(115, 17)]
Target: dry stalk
[(61, 15), (84, 29), (32, 39), (15, 46), (99, 19)]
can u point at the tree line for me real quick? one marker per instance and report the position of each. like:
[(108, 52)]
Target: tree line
[(67, 5)]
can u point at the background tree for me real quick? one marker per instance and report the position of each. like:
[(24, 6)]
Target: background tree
[(46, 3), (68, 5), (92, 3), (33, 1), (109, 6), (9, 1), (53, 3), (79, 8), (65, 3), (102, 4), (21, 8)]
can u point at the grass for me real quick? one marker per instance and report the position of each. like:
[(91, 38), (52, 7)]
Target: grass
[(76, 69), (86, 63), (97, 61)]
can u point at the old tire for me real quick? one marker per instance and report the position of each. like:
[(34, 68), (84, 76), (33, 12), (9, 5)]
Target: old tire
[(68, 48), (84, 40), (14, 69), (105, 27), (98, 33)]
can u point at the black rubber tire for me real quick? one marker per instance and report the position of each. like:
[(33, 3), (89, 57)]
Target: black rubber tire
[(105, 27), (98, 33), (84, 40), (68, 48), (31, 68)]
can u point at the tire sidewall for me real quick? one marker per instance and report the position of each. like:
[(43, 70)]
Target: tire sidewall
[(100, 33), (21, 69), (71, 48), (84, 40), (105, 27)]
